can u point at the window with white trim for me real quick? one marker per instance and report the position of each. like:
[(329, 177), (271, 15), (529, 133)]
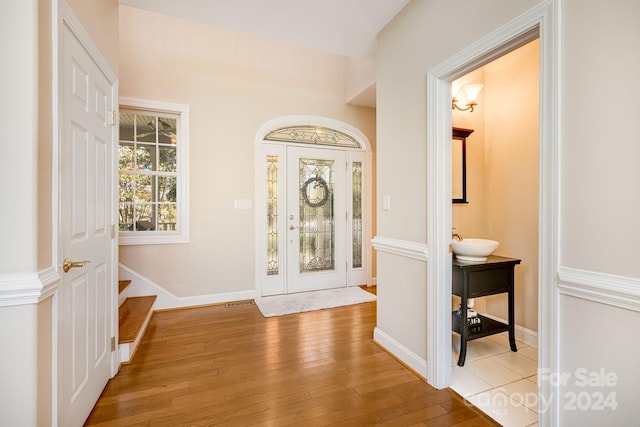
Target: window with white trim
[(153, 175)]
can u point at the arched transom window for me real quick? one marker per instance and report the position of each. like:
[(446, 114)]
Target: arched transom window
[(314, 135)]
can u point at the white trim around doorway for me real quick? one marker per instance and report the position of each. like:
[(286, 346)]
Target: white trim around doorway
[(540, 22), (262, 150)]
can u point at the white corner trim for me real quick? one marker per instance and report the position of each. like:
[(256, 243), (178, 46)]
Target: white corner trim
[(49, 278), (618, 291), (399, 247), (27, 288), (406, 356), (142, 286)]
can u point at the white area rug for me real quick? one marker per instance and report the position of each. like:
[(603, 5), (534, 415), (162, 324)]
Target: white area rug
[(279, 305)]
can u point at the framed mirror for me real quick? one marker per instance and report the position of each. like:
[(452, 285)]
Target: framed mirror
[(459, 164)]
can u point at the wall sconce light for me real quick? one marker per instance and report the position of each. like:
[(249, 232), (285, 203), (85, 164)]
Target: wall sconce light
[(472, 91)]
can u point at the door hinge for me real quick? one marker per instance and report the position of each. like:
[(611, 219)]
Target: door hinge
[(111, 118), (114, 231), (113, 343), (346, 266)]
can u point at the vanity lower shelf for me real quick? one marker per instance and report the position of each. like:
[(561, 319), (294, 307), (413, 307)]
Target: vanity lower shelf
[(486, 327)]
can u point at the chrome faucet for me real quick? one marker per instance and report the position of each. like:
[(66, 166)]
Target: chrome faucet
[(454, 235)]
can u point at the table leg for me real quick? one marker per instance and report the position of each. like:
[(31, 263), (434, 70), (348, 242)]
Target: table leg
[(464, 331), (512, 321)]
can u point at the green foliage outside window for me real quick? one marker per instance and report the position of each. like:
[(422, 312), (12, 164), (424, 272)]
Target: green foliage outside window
[(148, 172)]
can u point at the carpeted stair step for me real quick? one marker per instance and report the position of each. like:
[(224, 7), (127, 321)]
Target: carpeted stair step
[(132, 315)]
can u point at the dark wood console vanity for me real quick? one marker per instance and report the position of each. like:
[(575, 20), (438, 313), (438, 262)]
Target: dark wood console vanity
[(471, 280)]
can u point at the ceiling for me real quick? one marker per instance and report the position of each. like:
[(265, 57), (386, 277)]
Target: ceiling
[(344, 27)]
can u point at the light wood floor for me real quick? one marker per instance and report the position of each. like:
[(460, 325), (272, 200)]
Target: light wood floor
[(232, 367)]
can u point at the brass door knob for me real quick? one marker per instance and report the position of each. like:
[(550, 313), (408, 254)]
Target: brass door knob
[(67, 264)]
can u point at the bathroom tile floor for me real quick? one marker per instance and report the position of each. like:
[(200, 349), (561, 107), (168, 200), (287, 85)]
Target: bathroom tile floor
[(499, 382)]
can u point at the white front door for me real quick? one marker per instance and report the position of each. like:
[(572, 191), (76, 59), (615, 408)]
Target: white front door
[(87, 303), (316, 218)]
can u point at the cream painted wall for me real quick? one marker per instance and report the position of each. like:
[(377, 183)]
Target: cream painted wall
[(511, 174), (100, 19), (233, 83), (45, 135), (418, 39), (19, 112), (397, 279), (601, 340), (469, 218), (600, 87), (19, 391)]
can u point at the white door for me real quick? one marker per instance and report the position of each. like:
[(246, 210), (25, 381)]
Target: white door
[(316, 219), (87, 309)]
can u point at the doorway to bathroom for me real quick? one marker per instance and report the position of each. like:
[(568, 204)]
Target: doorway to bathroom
[(538, 23), (502, 204)]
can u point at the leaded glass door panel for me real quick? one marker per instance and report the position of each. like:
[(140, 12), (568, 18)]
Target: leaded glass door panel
[(316, 219)]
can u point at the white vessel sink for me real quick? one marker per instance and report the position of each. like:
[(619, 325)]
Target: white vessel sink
[(474, 250)]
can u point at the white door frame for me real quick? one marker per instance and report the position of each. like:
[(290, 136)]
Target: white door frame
[(262, 150), (66, 17), (541, 22)]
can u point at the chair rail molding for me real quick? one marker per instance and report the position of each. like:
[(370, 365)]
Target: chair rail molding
[(404, 248), (28, 288), (617, 291)]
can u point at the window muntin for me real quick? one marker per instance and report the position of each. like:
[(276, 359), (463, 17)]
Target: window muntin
[(152, 175)]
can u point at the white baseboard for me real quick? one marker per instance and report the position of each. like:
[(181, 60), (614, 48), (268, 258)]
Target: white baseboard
[(523, 334), (401, 352), (141, 286)]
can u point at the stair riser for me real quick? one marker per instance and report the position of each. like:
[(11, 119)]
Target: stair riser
[(128, 350), (122, 296)]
